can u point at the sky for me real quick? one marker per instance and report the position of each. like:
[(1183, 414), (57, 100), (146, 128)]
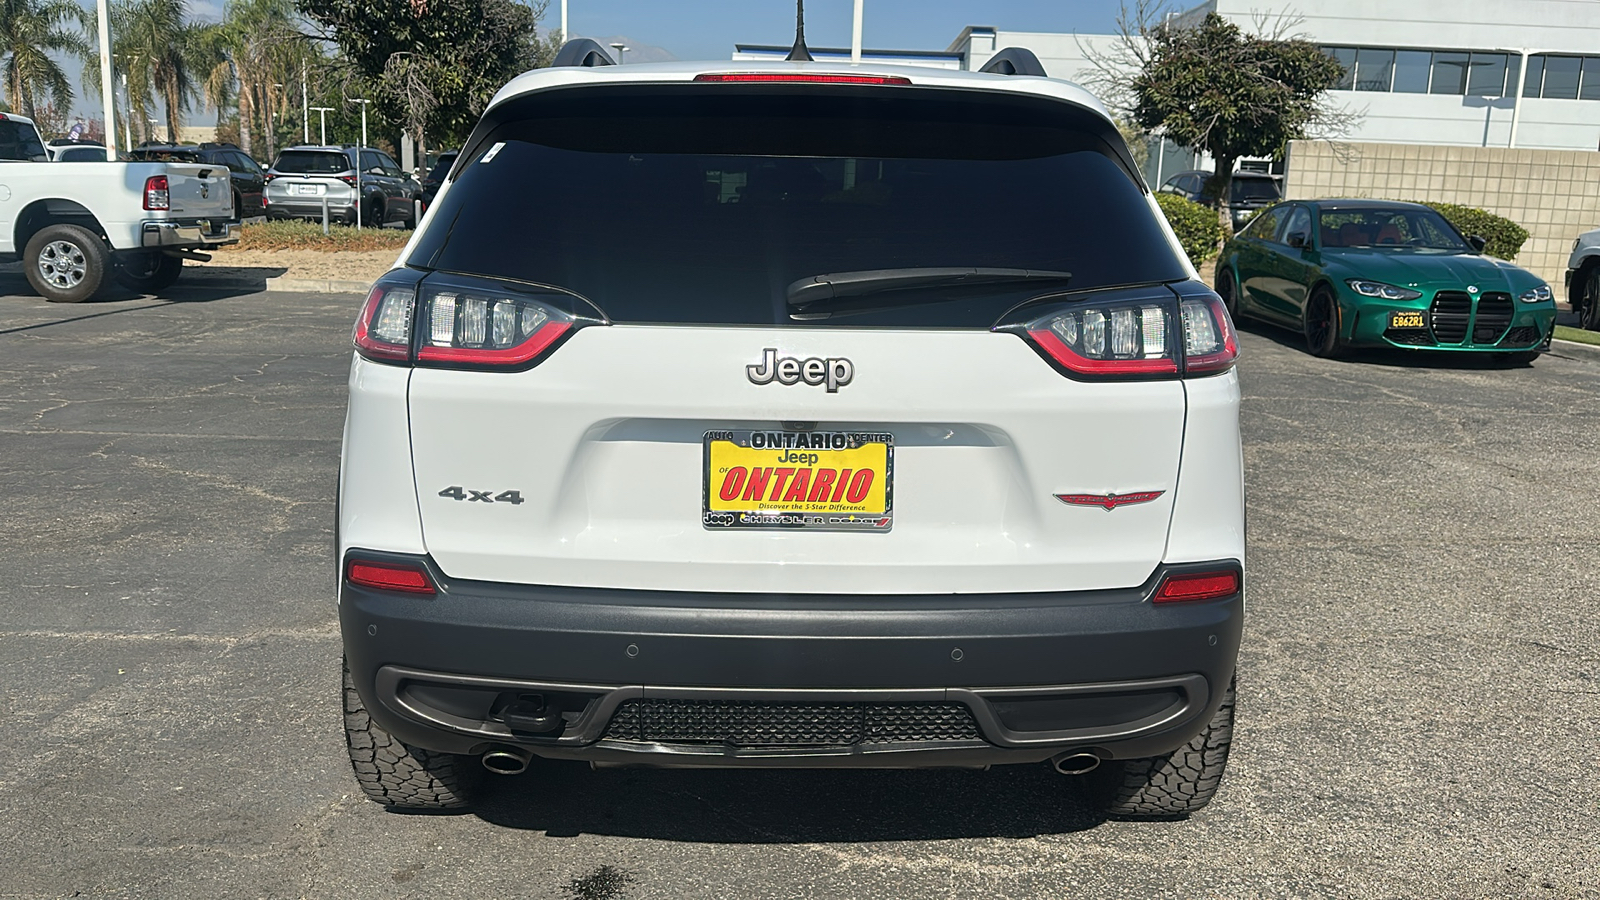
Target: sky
[(708, 29)]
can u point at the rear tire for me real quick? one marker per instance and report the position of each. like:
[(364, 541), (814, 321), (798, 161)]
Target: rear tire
[(396, 774), (148, 272), (372, 214), (1322, 325), (1171, 786), (65, 263), (1228, 290)]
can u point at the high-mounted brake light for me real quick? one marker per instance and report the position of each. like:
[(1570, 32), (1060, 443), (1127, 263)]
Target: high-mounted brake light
[(409, 578), (156, 194), (1197, 586), (799, 78)]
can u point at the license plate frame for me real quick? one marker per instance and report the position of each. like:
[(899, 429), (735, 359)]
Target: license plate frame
[(308, 190), (813, 451), (1408, 319)]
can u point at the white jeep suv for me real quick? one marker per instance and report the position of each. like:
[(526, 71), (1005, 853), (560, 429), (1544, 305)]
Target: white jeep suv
[(791, 414)]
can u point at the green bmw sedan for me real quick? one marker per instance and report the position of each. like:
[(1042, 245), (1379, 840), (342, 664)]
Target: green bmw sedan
[(1371, 273)]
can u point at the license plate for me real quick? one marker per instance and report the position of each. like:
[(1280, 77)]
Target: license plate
[(812, 480), (1407, 319), (307, 188)]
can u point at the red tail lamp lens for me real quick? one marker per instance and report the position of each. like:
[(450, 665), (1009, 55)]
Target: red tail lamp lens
[(1120, 340), (409, 579), (1209, 344), (383, 332), (156, 194), (1197, 586), (797, 78)]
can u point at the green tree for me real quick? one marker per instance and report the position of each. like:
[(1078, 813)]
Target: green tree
[(160, 52), (30, 30), (432, 65), (1214, 88)]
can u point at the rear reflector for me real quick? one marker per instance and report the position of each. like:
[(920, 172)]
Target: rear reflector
[(410, 579), (1197, 586), (798, 78)]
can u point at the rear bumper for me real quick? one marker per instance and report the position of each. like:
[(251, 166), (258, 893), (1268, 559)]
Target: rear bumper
[(201, 234), (1036, 674)]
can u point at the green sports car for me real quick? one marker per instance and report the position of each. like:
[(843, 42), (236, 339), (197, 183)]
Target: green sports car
[(1370, 273)]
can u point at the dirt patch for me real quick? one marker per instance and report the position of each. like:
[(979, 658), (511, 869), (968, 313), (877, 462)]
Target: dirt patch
[(346, 265)]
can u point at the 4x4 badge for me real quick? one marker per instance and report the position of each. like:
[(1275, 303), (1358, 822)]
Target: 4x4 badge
[(835, 371)]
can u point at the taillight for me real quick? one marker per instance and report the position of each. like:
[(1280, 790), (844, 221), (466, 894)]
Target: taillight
[(797, 78), (454, 322), (409, 578), (1197, 586), (156, 194), (383, 332), (1136, 337), (348, 179)]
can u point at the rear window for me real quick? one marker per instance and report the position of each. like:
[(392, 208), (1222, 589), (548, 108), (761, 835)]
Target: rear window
[(166, 154), (311, 162), (20, 142), (82, 154), (1254, 188), (702, 204)]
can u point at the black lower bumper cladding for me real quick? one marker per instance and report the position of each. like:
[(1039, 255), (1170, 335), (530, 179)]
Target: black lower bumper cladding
[(701, 679)]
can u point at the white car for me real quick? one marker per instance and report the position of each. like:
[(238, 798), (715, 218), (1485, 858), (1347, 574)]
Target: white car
[(792, 414), (136, 222), (1583, 279)]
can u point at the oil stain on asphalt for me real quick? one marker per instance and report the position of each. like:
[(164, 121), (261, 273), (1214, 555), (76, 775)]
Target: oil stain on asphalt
[(604, 883)]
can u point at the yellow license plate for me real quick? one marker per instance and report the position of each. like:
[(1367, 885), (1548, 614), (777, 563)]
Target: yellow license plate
[(814, 480), (1407, 320)]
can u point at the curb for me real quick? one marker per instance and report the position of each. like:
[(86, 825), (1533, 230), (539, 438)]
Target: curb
[(318, 285), (1576, 349)]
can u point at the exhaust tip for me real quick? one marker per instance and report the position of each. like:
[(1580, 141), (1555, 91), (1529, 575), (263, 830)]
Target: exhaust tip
[(1075, 763), (506, 760)]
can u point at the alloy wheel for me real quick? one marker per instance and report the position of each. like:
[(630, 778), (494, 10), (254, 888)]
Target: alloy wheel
[(62, 265)]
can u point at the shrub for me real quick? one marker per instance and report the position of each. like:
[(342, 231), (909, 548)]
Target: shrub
[(1504, 236), (1196, 226)]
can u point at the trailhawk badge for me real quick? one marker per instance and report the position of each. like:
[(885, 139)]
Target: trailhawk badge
[(835, 371)]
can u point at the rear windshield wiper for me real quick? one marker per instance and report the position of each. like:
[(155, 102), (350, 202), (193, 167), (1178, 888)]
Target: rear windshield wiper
[(844, 293)]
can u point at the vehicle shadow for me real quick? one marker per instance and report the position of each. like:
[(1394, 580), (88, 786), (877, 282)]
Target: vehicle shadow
[(196, 285), (566, 799), (1391, 358)]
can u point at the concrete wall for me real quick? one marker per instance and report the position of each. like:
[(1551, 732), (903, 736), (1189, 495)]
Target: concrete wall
[(1555, 194)]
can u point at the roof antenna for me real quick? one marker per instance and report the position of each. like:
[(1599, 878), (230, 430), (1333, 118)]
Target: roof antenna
[(799, 53)]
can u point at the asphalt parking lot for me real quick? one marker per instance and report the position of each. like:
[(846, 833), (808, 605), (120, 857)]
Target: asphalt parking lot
[(1419, 690)]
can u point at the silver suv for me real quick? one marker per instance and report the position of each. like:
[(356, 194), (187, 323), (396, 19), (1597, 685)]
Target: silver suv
[(830, 416), (303, 181)]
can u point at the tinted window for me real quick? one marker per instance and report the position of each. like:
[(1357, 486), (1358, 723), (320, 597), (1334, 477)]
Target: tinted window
[(1265, 226), (1449, 73), (1591, 79), (1346, 57), (311, 162), (1374, 70), (1253, 189), (238, 162), (697, 206), (1299, 223), (1411, 69), (1488, 76), (83, 154), (1388, 228), (390, 167), (1561, 77), (18, 141), (443, 167)]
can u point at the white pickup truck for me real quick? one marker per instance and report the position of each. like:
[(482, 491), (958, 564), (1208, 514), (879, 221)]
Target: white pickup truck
[(73, 224)]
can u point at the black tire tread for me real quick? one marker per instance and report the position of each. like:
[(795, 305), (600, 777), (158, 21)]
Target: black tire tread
[(1179, 783), (1590, 316), (396, 774), (94, 250)]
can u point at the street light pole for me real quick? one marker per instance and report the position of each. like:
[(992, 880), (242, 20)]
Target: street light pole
[(855, 36), (621, 49), (305, 104), (322, 112), (359, 148), (563, 21), (107, 87)]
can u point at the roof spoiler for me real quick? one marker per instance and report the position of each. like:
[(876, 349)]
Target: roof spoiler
[(584, 52), (1014, 61)]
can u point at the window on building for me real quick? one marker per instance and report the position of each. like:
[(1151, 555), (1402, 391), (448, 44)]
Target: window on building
[(1345, 56), (1590, 89), (1487, 75), (1411, 69), (1450, 73), (1561, 76), (1374, 69), (1535, 77)]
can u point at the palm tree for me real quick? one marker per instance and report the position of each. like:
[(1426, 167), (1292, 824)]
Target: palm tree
[(266, 47), (30, 30), (161, 47)]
